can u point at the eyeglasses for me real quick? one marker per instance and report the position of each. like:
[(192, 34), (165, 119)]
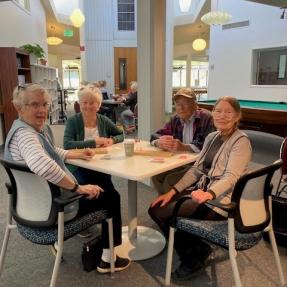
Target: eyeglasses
[(37, 106), (227, 114)]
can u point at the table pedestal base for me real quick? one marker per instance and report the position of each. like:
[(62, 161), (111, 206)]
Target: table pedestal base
[(148, 243)]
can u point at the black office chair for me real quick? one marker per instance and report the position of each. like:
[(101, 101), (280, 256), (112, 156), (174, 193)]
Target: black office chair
[(249, 215), (37, 207)]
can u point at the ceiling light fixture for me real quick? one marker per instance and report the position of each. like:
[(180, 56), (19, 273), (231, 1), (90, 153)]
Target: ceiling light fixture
[(53, 40), (199, 44), (184, 5), (77, 18), (216, 17)]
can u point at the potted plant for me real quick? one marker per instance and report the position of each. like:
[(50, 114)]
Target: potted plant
[(35, 51)]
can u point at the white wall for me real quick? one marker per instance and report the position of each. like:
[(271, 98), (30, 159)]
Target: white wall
[(21, 27), (231, 51), (99, 36)]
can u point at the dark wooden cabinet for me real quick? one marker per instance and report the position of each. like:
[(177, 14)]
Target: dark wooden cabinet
[(14, 71)]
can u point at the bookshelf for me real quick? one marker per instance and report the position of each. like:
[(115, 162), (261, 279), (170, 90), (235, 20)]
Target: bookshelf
[(46, 77), (14, 71)]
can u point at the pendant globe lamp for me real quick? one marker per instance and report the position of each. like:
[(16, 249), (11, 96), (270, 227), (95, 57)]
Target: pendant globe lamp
[(216, 17), (199, 44), (77, 18), (53, 40), (184, 5)]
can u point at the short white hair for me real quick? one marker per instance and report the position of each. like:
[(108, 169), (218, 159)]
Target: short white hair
[(91, 91), (134, 85), (21, 93)]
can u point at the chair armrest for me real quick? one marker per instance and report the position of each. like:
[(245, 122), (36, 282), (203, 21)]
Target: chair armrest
[(226, 207), (61, 201)]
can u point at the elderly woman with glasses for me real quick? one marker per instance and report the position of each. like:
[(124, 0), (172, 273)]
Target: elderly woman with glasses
[(30, 142), (223, 159)]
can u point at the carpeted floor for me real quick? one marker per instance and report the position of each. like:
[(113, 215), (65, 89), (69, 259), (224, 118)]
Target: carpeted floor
[(30, 265)]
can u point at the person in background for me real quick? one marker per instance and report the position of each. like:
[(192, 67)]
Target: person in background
[(104, 90), (30, 142), (186, 131), (222, 160), (126, 111), (106, 108)]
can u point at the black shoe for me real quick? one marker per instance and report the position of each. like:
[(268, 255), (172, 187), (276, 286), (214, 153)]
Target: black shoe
[(120, 264), (187, 269), (185, 273)]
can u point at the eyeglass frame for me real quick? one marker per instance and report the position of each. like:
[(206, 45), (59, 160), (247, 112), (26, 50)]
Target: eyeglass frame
[(227, 114)]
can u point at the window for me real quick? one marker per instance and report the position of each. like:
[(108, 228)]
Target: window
[(179, 73), (199, 74), (269, 66), (25, 4), (126, 15)]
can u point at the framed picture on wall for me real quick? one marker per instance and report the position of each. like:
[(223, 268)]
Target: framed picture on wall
[(282, 67)]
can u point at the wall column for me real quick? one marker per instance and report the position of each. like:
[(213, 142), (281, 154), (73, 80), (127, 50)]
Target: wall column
[(188, 70), (151, 65)]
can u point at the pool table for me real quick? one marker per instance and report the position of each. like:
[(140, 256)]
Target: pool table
[(258, 115)]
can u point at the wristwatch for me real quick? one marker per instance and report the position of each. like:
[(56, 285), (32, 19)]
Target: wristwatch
[(75, 188)]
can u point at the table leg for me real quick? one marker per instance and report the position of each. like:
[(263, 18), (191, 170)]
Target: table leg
[(133, 209), (139, 242)]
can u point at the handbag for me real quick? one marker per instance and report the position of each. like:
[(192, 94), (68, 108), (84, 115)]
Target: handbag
[(91, 253)]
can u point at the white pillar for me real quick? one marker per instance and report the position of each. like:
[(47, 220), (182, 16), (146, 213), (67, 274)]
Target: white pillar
[(169, 54), (188, 70), (151, 65)]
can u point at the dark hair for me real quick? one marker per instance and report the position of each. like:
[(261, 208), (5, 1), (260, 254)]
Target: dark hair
[(234, 104), (232, 101)]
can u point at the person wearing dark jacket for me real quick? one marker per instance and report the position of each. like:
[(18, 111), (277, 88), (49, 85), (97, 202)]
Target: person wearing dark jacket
[(127, 109)]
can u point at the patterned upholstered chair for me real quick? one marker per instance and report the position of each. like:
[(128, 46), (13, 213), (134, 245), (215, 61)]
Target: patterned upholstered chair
[(249, 215), (38, 210)]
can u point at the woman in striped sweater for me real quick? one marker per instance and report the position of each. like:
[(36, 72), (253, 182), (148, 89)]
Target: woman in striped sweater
[(30, 142)]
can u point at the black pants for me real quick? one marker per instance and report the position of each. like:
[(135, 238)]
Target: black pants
[(109, 200), (189, 247)]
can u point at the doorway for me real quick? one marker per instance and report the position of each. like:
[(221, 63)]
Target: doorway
[(125, 60)]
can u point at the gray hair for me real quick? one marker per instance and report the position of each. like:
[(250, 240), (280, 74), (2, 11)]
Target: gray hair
[(91, 91), (134, 85), (21, 93)]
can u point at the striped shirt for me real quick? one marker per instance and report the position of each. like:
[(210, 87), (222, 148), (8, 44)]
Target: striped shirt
[(25, 147)]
